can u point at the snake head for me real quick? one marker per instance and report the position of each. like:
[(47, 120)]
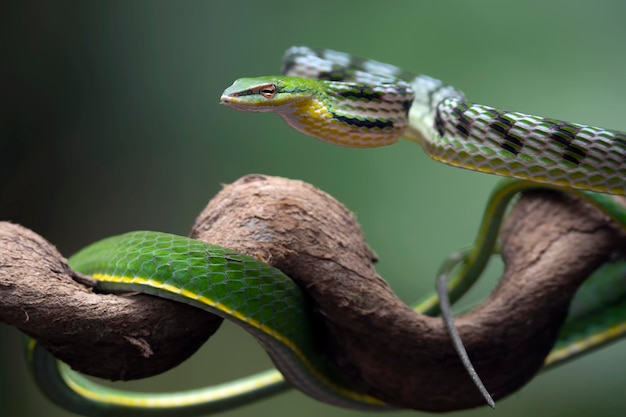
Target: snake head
[(267, 94)]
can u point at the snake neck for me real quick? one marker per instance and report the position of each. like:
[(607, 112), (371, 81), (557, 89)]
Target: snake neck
[(425, 92), (353, 114)]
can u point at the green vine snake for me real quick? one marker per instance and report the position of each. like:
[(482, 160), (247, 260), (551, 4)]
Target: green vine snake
[(358, 103)]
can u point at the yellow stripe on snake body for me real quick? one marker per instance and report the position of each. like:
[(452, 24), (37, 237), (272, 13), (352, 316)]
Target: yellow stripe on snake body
[(356, 102), (146, 283)]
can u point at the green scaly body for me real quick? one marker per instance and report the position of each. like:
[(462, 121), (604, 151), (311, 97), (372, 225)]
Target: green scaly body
[(259, 297)]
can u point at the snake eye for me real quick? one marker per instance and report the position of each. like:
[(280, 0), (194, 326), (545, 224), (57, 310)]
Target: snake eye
[(268, 91)]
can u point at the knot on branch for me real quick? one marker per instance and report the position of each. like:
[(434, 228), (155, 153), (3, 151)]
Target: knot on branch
[(551, 243)]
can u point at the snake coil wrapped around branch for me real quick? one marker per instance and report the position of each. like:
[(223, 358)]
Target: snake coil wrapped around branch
[(551, 243)]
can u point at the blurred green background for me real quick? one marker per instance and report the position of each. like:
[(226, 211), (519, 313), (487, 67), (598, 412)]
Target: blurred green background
[(109, 122)]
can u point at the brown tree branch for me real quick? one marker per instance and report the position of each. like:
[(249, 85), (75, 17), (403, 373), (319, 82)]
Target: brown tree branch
[(551, 243), (139, 335)]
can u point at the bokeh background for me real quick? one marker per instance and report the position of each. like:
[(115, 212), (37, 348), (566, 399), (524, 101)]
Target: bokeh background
[(109, 122)]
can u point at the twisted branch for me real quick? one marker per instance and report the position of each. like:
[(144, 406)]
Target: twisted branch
[(551, 243)]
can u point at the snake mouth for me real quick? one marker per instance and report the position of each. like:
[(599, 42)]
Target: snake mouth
[(232, 102), (243, 103), (224, 99), (235, 103)]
